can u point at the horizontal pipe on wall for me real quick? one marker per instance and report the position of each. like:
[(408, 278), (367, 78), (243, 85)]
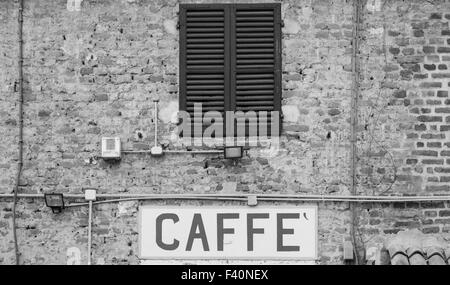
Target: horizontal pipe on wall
[(261, 197), (176, 151)]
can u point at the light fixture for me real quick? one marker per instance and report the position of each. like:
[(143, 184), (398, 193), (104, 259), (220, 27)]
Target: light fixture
[(233, 152), (55, 201)]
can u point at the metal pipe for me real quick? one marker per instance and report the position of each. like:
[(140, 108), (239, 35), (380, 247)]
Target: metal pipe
[(20, 143), (268, 199), (281, 197), (176, 151), (354, 122), (89, 233), (156, 121), (195, 151)]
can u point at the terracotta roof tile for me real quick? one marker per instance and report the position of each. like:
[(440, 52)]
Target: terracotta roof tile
[(412, 247)]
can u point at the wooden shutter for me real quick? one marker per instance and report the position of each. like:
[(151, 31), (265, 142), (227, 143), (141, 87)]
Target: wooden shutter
[(230, 57), (204, 57), (256, 58)]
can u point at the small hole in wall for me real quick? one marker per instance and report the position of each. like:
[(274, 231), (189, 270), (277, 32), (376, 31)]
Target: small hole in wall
[(140, 135), (371, 78), (121, 30), (329, 135), (64, 37)]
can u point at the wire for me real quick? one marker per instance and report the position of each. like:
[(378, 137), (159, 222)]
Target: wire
[(379, 111)]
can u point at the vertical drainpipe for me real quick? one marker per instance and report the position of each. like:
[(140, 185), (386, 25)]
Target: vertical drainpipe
[(354, 121), (89, 258), (20, 143)]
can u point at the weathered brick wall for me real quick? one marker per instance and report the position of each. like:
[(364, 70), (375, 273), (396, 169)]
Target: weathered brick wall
[(95, 71), (404, 114)]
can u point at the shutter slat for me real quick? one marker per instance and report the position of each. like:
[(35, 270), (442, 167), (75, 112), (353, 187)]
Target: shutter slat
[(201, 82), (255, 81), (205, 19), (206, 103), (205, 35), (205, 87), (255, 98), (203, 13), (215, 48), (256, 49), (205, 30), (197, 56), (256, 103), (255, 108), (252, 92), (255, 35), (253, 76), (254, 24), (201, 40), (200, 98), (253, 19), (205, 92), (253, 29), (212, 24), (252, 87), (254, 13), (207, 109), (204, 49)]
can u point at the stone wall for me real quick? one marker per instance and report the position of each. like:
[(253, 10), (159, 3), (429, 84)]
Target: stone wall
[(93, 69)]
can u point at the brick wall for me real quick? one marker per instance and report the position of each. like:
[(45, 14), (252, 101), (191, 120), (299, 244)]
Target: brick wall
[(95, 72)]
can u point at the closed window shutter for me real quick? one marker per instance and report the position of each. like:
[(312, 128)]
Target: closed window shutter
[(256, 59), (230, 57), (204, 58)]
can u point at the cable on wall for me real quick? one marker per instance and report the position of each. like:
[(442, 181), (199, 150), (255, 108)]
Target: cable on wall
[(354, 121), (376, 113), (273, 197), (20, 143)]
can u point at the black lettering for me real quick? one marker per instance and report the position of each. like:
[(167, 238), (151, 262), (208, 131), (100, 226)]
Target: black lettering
[(197, 222), (159, 241), (251, 230), (282, 231), (221, 231)]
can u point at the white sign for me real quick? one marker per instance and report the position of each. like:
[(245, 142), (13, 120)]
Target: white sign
[(228, 232)]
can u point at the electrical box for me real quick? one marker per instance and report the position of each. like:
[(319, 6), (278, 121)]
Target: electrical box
[(348, 250), (111, 148), (90, 195), (156, 151)]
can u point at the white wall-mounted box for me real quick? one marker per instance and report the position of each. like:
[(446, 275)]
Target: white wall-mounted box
[(111, 148)]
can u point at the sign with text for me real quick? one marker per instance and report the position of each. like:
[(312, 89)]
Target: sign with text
[(228, 232)]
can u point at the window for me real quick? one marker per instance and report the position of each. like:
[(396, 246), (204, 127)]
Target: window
[(230, 58)]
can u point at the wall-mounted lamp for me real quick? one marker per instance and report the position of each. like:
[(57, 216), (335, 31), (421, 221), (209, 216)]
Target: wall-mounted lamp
[(55, 201), (233, 152)]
